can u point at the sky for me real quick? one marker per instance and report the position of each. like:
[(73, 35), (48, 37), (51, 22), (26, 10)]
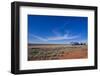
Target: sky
[(47, 29)]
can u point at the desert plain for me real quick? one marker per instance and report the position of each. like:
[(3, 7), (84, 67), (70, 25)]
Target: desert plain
[(56, 51)]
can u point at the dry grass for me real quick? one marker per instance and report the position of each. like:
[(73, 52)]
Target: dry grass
[(53, 52)]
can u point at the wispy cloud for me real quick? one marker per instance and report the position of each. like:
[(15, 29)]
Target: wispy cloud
[(57, 36), (38, 37), (66, 36)]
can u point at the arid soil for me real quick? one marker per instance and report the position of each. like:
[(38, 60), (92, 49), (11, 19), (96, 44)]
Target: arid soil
[(54, 52)]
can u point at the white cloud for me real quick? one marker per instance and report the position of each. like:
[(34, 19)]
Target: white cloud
[(38, 37), (57, 36), (65, 37)]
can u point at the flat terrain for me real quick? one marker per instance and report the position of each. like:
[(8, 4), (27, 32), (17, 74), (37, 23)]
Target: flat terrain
[(56, 51)]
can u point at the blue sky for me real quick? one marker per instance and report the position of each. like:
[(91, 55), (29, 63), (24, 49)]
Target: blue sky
[(44, 29)]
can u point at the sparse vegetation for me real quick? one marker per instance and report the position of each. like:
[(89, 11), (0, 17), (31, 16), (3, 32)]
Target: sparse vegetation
[(52, 52)]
